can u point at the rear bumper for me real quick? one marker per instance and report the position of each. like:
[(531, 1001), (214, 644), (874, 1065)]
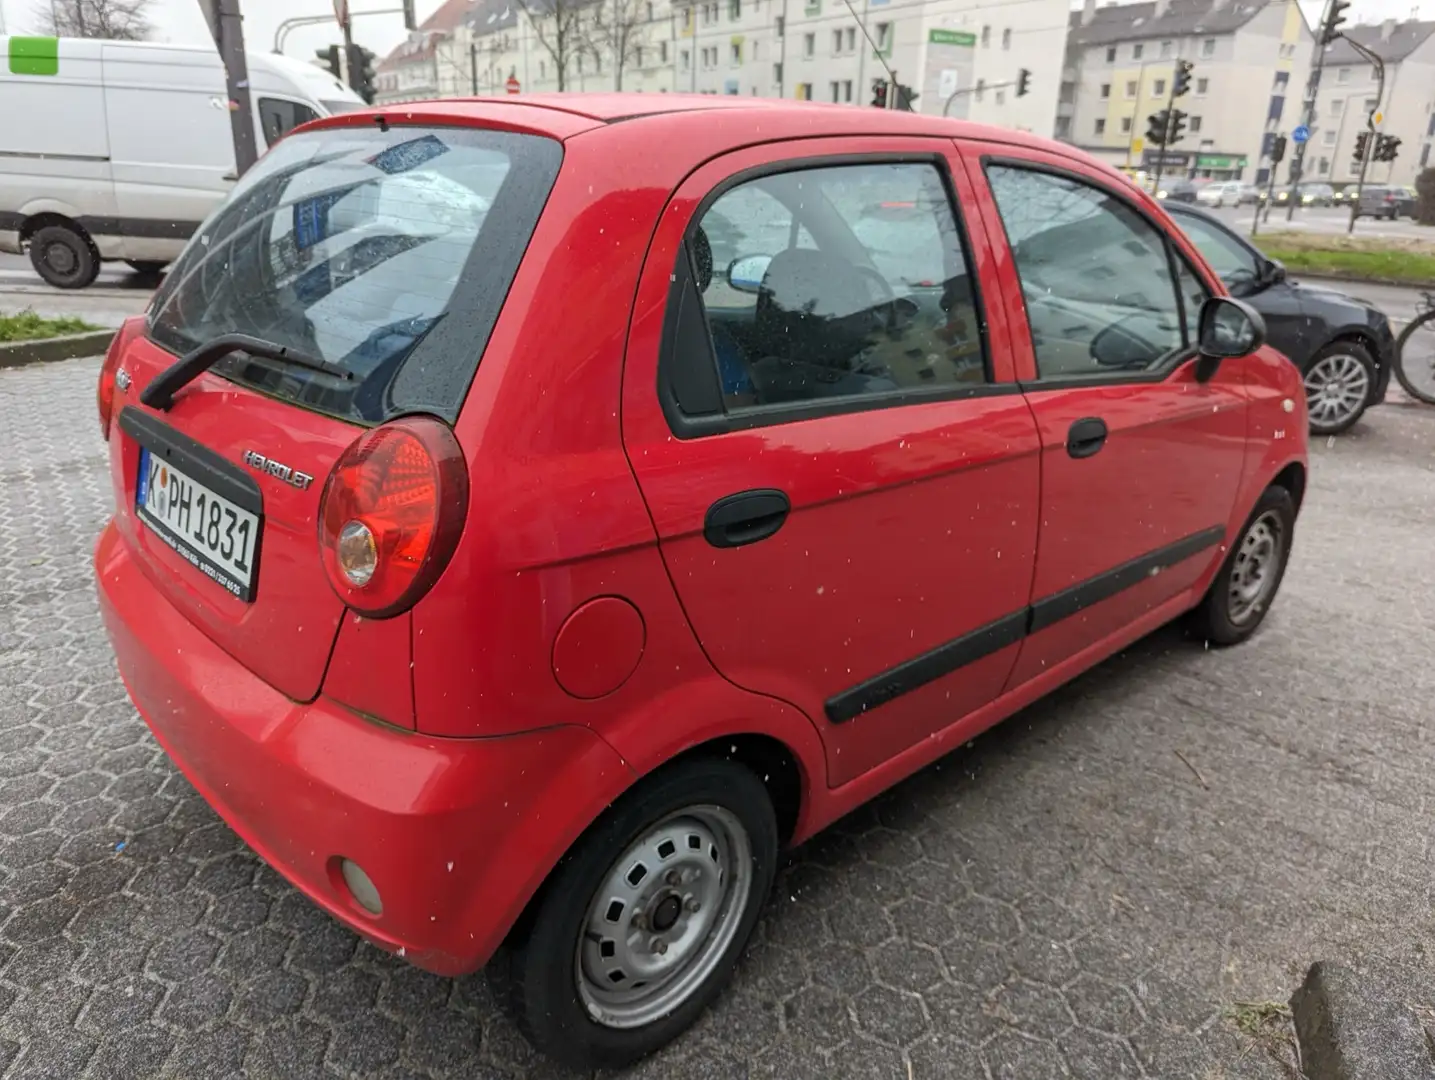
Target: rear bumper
[(456, 834)]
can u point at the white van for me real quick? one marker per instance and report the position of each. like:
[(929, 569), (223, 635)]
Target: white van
[(119, 150)]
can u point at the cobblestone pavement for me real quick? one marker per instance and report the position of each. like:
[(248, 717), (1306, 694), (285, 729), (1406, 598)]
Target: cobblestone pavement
[(1064, 898)]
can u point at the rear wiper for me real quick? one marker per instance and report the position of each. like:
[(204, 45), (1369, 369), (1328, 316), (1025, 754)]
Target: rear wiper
[(159, 394)]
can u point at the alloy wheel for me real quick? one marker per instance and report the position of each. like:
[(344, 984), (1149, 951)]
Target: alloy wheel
[(1336, 389)]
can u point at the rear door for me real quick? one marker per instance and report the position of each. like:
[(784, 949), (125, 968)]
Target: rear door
[(1141, 457), (819, 408)]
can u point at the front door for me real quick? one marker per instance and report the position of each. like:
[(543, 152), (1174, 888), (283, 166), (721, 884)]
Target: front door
[(1141, 455), (841, 469)]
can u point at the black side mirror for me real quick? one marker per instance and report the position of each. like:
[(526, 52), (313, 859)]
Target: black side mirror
[(1273, 271), (1228, 329)]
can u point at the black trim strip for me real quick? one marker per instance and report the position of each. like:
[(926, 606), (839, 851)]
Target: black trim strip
[(1070, 601), (1008, 630), (138, 228), (220, 475)]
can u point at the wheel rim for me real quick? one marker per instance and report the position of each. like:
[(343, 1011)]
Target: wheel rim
[(1256, 569), (59, 258), (1416, 366), (663, 917), (1336, 388)]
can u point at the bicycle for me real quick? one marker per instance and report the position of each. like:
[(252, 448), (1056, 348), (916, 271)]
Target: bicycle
[(1415, 355)]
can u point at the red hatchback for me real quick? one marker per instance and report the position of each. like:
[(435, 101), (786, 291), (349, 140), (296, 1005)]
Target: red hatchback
[(534, 515)]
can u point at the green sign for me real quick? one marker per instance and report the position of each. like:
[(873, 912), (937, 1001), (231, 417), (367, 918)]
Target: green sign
[(952, 37), (34, 56), (1212, 161)]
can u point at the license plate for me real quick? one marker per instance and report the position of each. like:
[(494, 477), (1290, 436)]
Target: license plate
[(213, 535)]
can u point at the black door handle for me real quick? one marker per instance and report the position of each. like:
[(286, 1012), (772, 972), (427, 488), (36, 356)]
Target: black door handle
[(1086, 437), (745, 518)]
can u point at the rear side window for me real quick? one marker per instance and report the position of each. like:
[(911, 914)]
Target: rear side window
[(387, 254), (835, 282)]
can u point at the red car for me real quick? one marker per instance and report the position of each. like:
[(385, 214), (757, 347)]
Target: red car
[(534, 515)]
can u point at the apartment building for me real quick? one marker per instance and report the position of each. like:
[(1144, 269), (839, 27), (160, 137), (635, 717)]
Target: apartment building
[(1349, 93), (961, 59), (1251, 63), (411, 72)]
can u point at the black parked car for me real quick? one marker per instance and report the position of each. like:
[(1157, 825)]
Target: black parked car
[(1343, 346)]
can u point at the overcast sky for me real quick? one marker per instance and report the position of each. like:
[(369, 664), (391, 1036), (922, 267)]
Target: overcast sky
[(180, 21)]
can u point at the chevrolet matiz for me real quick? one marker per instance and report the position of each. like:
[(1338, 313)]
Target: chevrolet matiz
[(533, 516)]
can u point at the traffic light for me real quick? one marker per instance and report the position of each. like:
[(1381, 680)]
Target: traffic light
[(1178, 127), (1023, 82), (361, 72), (1362, 144), (1331, 30), (879, 93), (330, 58), (411, 21), (1156, 127), (1387, 148), (905, 96), (1181, 83), (1278, 149)]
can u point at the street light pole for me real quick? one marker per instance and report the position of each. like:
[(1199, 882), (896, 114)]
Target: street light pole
[(226, 26)]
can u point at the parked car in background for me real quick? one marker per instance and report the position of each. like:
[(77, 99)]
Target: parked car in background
[(1178, 190), (1344, 347), (1343, 196), (1317, 194), (1383, 201), (1225, 193), (546, 682)]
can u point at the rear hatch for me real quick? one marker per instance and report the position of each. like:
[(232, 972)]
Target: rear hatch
[(366, 266)]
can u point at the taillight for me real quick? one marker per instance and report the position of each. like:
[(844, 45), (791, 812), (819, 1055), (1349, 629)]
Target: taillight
[(130, 329), (391, 515)]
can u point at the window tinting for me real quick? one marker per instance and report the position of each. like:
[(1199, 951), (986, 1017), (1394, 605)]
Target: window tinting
[(353, 245), (1094, 273), (835, 282)]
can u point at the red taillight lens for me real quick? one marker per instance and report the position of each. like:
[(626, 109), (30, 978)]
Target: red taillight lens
[(130, 329), (391, 515)]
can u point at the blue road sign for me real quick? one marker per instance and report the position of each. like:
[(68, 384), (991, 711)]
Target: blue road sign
[(1300, 134)]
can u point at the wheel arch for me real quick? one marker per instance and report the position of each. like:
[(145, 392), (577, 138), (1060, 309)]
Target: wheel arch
[(44, 218), (1293, 478)]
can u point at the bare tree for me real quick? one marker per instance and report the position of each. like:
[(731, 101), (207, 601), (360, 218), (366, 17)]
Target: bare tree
[(118, 20), (618, 29), (559, 26)]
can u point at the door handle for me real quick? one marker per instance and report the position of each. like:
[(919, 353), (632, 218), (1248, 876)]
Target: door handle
[(1086, 437), (745, 518)]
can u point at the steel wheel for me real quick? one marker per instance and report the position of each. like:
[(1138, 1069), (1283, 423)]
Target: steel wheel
[(1257, 568), (1336, 389), (60, 258), (663, 917)]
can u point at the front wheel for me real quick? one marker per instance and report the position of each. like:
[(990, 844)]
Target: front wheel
[(1250, 577), (641, 925), (1415, 358), (64, 257), (1337, 386)]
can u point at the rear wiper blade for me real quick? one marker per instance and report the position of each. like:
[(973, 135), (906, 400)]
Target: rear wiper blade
[(159, 394)]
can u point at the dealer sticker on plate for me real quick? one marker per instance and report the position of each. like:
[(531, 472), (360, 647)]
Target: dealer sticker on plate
[(212, 534)]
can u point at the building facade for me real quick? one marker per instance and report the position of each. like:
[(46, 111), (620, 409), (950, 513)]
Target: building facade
[(1349, 95), (1250, 65)]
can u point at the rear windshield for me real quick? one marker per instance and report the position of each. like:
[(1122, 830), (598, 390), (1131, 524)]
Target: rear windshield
[(386, 253)]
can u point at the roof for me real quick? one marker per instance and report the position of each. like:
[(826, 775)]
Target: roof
[(1392, 42), (1183, 18), (491, 16)]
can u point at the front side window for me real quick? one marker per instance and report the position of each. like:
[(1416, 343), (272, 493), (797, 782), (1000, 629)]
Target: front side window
[(836, 282), (1228, 257), (278, 117), (1096, 275)]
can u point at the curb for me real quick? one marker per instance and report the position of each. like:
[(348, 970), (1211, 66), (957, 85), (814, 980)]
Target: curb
[(49, 350), (1356, 1023)]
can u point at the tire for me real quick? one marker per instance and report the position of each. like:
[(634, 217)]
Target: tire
[(64, 256), (553, 978), (146, 267), (1420, 356), (1219, 619), (1338, 381)]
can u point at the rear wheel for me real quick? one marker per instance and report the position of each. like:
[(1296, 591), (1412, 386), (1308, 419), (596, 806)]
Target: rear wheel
[(1415, 358), (64, 256), (641, 925), (1337, 386), (1251, 576)]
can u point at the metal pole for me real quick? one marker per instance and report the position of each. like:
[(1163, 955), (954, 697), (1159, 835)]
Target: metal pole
[(473, 65), (345, 68), (1297, 165), (1379, 66), (226, 24)]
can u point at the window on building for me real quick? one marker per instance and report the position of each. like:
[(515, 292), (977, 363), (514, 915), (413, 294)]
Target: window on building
[(1425, 155), (1195, 125), (836, 91), (1283, 79), (1342, 74), (1063, 127), (1323, 167), (685, 60), (1337, 106), (851, 39), (1208, 47), (781, 26), (1125, 124), (1202, 85), (1077, 247), (777, 72), (883, 34), (836, 42), (986, 36), (1111, 55), (1330, 137), (1158, 89), (1001, 97), (809, 45), (662, 52), (1099, 128), (638, 56), (1137, 50), (847, 91), (1006, 38), (1371, 104), (1105, 91), (736, 57), (1131, 88), (648, 10), (1167, 48), (1430, 128), (753, 50), (981, 88), (734, 9)]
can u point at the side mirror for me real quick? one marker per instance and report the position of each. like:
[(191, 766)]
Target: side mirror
[(1228, 329), (746, 273), (1273, 271)]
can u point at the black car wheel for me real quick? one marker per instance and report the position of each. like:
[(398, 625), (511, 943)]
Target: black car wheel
[(64, 256), (1250, 578), (1338, 382)]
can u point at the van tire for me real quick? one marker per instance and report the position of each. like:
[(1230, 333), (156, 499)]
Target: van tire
[(64, 256)]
